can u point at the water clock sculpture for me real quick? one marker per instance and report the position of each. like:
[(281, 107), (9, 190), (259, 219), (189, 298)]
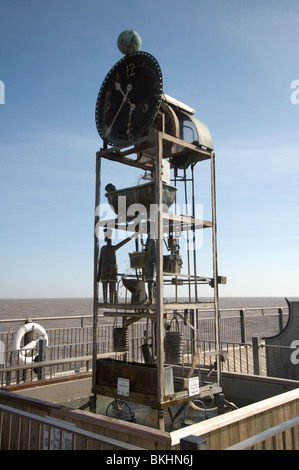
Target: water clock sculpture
[(156, 345)]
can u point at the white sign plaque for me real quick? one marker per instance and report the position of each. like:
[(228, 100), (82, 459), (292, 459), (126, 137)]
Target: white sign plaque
[(193, 385), (123, 387)]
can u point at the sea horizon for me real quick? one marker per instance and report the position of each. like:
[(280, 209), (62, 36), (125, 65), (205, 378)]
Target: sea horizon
[(84, 305), (45, 311)]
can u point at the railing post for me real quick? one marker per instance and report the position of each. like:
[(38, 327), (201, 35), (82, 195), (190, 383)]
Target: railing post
[(42, 344), (27, 339), (2, 355), (193, 443), (243, 326), (280, 319), (256, 342)]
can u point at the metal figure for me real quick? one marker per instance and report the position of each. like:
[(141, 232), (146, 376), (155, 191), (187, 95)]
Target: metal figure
[(107, 267)]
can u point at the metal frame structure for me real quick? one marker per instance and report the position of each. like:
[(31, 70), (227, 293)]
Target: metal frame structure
[(157, 146)]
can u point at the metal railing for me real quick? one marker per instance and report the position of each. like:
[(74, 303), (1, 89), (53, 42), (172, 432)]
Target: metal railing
[(69, 349), (237, 325), (244, 358), (20, 430)]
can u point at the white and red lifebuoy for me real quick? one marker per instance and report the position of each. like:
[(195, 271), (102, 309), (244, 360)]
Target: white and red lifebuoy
[(25, 352)]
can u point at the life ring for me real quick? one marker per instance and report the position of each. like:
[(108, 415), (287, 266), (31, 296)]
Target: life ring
[(25, 354)]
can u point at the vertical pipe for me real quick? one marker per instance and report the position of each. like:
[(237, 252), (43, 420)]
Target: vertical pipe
[(95, 284), (159, 267), (215, 270), (188, 244), (194, 235)]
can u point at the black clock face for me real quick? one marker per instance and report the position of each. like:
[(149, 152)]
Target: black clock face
[(129, 99)]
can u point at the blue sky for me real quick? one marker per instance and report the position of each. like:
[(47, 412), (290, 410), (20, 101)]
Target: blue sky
[(231, 60)]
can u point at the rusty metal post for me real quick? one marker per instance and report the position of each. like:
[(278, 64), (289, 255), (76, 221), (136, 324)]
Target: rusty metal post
[(159, 275), (215, 270)]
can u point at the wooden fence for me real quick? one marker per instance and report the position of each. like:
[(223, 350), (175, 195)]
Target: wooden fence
[(281, 437), (258, 426), (225, 431), (105, 427), (21, 430)]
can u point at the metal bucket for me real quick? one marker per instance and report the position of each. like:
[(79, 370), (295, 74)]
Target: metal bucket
[(137, 289), (120, 339), (143, 194), (173, 347), (137, 259), (146, 352)]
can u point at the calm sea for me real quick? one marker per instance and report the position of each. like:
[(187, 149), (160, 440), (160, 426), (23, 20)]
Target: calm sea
[(41, 308), (19, 308)]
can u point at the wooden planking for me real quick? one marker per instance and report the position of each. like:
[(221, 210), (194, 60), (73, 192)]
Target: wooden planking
[(220, 432), (249, 420), (110, 427), (268, 439), (239, 359)]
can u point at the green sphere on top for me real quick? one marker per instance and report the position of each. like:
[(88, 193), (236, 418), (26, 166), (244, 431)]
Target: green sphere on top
[(128, 42)]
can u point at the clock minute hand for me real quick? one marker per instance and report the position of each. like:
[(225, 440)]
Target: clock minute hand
[(125, 95)]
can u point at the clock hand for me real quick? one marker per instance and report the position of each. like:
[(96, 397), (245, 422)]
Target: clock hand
[(118, 87), (129, 88), (132, 107)]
